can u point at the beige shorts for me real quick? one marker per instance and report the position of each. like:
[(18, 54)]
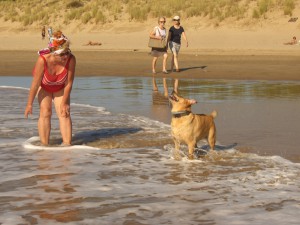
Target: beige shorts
[(174, 47)]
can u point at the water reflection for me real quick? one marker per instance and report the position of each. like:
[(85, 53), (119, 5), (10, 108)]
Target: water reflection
[(220, 90), (217, 91), (260, 116), (161, 98), (160, 101)]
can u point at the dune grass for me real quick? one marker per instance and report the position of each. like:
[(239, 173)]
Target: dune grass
[(263, 6), (30, 12)]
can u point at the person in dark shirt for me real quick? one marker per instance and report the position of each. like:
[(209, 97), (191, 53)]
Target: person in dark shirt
[(174, 40)]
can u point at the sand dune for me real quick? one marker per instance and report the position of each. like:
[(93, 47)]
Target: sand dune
[(241, 37)]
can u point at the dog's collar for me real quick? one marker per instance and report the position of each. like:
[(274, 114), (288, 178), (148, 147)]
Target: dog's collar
[(180, 114)]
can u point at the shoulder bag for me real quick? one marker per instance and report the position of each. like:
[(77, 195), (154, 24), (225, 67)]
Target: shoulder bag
[(156, 43)]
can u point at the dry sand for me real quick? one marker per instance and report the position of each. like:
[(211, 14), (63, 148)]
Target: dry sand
[(246, 52)]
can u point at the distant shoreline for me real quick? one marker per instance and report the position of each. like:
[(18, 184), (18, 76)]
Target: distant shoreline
[(263, 65)]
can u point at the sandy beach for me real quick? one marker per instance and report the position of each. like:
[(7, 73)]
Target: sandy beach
[(138, 63), (231, 51)]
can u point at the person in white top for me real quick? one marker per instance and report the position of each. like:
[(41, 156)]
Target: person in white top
[(159, 32)]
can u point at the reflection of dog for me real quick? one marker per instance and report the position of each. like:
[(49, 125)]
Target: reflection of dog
[(188, 127)]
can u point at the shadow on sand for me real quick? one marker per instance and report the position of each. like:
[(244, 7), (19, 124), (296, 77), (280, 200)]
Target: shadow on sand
[(193, 67), (90, 136)]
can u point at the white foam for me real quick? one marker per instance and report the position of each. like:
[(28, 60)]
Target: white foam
[(152, 186), (141, 120), (13, 87), (139, 184), (281, 160), (99, 109), (28, 144)]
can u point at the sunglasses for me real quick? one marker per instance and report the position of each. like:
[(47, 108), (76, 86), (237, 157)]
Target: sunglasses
[(162, 21)]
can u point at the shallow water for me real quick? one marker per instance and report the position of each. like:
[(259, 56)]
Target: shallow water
[(121, 169)]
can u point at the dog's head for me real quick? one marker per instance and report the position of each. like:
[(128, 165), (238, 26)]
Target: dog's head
[(179, 103)]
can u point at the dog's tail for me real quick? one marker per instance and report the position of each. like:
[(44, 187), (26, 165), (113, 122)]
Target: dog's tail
[(214, 114)]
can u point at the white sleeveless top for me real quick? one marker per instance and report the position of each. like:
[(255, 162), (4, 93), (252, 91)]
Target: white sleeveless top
[(160, 32)]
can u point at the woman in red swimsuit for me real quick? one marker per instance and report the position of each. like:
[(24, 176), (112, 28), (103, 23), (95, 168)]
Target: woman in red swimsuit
[(53, 77)]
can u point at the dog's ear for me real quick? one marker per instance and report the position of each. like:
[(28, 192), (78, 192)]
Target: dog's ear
[(192, 101)]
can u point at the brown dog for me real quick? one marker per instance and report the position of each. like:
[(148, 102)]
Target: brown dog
[(188, 127)]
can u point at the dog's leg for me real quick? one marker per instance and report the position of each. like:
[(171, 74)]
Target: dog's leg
[(177, 144), (191, 150), (177, 148), (213, 155), (212, 138)]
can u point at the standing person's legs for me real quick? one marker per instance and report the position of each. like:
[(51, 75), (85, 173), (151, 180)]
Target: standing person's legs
[(44, 123), (172, 50), (65, 122), (175, 59), (175, 50), (172, 63), (165, 62), (154, 64)]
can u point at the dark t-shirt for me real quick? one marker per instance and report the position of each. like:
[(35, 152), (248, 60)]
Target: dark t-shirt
[(176, 34)]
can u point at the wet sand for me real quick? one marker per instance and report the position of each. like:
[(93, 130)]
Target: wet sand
[(231, 66)]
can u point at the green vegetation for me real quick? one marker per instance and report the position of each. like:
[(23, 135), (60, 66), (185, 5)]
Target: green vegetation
[(74, 4), (30, 12), (289, 6), (264, 6)]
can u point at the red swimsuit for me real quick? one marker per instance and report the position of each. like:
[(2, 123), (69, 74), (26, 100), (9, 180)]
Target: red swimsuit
[(54, 83)]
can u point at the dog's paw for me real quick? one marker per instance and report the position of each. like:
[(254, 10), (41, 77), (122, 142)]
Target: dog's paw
[(214, 155), (191, 156), (177, 156)]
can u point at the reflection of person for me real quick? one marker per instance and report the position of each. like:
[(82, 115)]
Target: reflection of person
[(159, 32), (162, 98), (53, 77), (43, 32), (292, 42), (165, 94), (92, 43), (174, 40)]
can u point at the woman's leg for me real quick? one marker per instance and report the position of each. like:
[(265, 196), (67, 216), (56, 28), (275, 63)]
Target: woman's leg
[(176, 48), (173, 48), (175, 56), (65, 122), (154, 64), (165, 62), (44, 123), (172, 62)]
